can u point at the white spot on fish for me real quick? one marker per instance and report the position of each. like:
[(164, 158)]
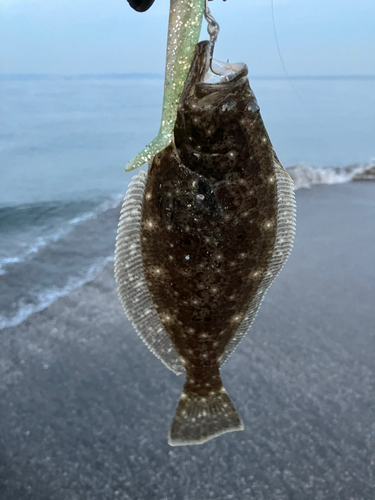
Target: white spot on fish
[(236, 319)]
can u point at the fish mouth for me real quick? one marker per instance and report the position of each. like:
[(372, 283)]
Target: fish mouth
[(207, 76), (208, 73), (221, 72)]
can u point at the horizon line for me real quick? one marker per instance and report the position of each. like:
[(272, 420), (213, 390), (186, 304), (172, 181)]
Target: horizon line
[(158, 76)]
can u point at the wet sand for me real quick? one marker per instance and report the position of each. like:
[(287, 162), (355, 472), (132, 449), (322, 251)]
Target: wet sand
[(85, 408)]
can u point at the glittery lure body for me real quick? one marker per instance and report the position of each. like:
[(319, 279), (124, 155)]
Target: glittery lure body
[(202, 237), (185, 22)]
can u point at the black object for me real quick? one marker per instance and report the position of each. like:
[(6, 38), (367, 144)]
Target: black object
[(141, 5)]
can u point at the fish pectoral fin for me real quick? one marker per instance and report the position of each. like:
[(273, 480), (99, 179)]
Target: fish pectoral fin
[(199, 419)]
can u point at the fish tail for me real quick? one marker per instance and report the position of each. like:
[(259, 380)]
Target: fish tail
[(199, 418)]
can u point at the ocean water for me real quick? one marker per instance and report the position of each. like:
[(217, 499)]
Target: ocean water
[(64, 143)]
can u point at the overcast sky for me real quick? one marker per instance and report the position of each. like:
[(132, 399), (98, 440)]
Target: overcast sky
[(329, 37)]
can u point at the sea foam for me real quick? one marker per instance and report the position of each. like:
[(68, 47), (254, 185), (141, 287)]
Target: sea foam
[(41, 242), (47, 297), (305, 176)]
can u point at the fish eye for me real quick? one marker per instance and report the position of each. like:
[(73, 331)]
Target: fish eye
[(187, 241), (140, 5)]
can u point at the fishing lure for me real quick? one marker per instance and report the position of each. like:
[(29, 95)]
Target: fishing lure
[(202, 236), (185, 21)]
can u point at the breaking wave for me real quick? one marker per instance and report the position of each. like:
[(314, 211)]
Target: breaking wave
[(305, 176), (51, 249), (47, 297), (12, 216)]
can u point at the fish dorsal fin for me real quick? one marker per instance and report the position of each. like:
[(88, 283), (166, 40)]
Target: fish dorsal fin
[(132, 287), (285, 229)]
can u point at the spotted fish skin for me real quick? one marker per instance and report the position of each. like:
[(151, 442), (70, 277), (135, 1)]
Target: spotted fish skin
[(216, 226)]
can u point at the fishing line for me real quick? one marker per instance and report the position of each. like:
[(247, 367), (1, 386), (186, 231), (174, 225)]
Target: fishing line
[(279, 51), (213, 30)]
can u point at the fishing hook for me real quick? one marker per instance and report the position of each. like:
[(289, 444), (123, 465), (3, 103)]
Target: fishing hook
[(213, 30)]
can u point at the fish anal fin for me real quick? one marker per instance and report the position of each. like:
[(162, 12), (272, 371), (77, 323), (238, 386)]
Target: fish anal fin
[(285, 229)]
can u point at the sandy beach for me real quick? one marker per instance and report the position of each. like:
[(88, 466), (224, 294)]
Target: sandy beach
[(85, 407)]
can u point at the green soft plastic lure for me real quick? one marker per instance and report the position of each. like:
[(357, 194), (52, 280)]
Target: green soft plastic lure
[(185, 21)]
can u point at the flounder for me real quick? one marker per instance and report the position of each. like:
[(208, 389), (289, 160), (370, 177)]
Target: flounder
[(201, 237)]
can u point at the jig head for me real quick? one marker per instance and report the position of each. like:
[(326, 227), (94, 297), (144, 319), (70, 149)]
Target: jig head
[(141, 5)]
